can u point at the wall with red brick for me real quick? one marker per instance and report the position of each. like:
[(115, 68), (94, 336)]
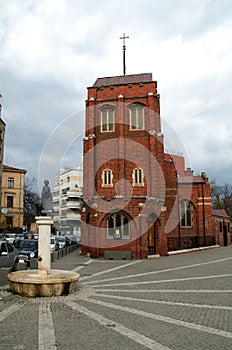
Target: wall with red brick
[(123, 150)]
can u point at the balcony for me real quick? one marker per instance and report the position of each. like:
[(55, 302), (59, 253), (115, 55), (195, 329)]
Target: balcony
[(73, 216), (73, 204), (56, 207), (74, 193)]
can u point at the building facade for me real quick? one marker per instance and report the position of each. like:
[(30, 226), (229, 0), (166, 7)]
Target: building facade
[(12, 205), (2, 138), (221, 227), (137, 199), (67, 201)]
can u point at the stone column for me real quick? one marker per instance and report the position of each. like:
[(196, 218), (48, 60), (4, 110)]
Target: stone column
[(44, 256)]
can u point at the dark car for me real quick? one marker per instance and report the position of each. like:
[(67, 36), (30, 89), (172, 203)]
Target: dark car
[(27, 249), (8, 256)]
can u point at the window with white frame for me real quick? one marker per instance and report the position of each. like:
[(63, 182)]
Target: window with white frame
[(107, 178), (137, 177), (118, 226), (10, 182), (185, 213), (137, 117), (107, 119)]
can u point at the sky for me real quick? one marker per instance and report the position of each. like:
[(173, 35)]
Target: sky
[(52, 50)]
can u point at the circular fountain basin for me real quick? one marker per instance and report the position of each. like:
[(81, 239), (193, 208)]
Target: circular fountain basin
[(33, 283)]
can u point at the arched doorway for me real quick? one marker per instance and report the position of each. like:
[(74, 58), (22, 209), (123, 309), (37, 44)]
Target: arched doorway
[(152, 234)]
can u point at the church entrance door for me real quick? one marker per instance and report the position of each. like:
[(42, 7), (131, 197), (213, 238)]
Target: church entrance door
[(151, 239)]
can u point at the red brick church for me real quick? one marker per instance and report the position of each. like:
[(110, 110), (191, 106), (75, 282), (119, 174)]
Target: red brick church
[(138, 200)]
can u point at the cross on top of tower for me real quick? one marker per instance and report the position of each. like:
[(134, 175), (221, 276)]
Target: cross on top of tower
[(124, 37)]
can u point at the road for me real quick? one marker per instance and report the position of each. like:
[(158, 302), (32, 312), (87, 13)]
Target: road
[(178, 302)]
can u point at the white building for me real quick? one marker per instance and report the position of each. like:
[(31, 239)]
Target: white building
[(67, 200)]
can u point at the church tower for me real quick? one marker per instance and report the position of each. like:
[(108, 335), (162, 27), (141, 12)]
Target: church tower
[(129, 186)]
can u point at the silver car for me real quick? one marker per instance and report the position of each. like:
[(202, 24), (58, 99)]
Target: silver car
[(8, 256)]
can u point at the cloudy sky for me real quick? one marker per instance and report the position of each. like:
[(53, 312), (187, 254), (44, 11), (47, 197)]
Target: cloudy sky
[(51, 50)]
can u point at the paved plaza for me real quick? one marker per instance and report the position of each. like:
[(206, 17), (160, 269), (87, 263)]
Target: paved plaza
[(177, 302)]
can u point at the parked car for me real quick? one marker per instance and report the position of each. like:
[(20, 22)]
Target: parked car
[(63, 241), (72, 239), (8, 256), (11, 237), (22, 235), (54, 244), (27, 249)]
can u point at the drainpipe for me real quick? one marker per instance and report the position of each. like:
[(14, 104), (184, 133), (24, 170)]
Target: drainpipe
[(178, 208), (203, 212)]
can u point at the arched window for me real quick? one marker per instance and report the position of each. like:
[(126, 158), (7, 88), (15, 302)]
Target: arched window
[(185, 213), (137, 117), (107, 178), (107, 119), (118, 226), (137, 177)]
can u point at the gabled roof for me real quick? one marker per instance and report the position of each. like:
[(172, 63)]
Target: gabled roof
[(179, 162), (220, 212), (123, 79)]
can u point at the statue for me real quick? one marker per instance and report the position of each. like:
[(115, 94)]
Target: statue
[(46, 197)]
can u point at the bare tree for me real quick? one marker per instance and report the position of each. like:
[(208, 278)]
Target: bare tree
[(222, 197), (32, 203)]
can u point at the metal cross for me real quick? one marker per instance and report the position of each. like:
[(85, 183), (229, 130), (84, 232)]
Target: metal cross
[(124, 52)]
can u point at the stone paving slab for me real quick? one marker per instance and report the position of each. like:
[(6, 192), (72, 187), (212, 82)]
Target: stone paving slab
[(177, 302)]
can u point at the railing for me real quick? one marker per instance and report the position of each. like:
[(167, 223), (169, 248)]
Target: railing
[(189, 242)]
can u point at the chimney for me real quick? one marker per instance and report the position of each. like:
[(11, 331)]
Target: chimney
[(204, 176), (188, 172)]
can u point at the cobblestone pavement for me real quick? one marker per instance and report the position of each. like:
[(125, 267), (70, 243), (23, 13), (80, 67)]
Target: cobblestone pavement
[(178, 302)]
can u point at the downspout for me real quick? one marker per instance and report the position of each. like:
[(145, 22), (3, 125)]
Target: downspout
[(20, 189), (203, 212), (178, 208)]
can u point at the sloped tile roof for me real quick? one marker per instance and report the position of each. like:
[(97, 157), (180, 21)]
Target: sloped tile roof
[(220, 212), (123, 79), (190, 179), (10, 168)]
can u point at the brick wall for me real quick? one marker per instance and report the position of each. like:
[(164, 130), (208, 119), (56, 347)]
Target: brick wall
[(123, 150)]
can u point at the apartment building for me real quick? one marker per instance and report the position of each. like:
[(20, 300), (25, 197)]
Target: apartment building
[(12, 203), (67, 200)]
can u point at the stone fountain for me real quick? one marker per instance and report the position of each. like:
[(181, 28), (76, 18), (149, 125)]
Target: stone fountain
[(43, 282)]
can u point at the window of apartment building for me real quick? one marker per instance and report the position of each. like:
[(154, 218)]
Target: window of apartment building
[(185, 214), (107, 178), (10, 182), (138, 177), (107, 119), (136, 117), (118, 226), (65, 190), (9, 201)]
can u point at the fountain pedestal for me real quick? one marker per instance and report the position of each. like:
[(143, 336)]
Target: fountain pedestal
[(43, 282)]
